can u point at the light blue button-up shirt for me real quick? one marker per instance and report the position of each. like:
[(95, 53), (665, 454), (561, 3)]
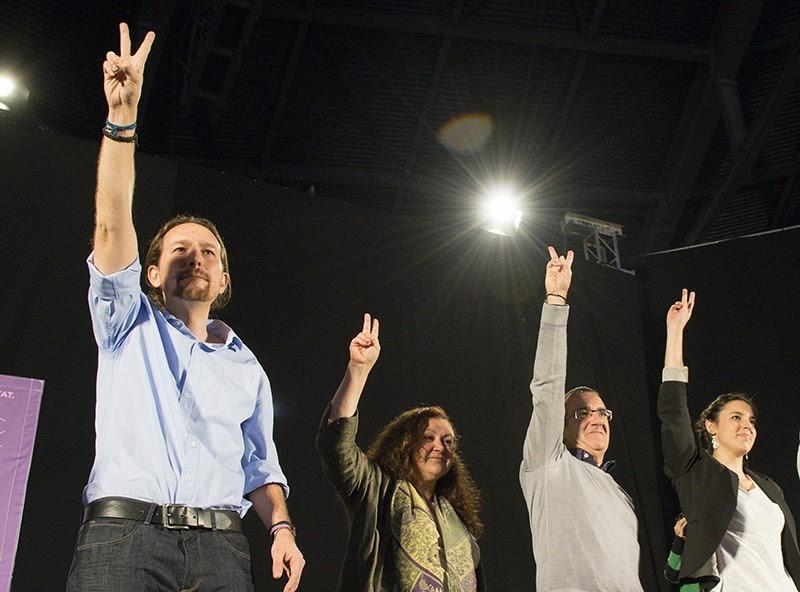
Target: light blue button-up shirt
[(178, 420)]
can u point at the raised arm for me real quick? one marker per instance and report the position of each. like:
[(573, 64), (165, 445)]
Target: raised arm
[(364, 351), (115, 245), (347, 467), (544, 439), (677, 437)]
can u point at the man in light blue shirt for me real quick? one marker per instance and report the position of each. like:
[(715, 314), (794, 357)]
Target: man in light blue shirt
[(184, 410)]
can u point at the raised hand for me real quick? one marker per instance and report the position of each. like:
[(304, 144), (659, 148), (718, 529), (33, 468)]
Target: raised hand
[(123, 73), (680, 312), (365, 347), (558, 275), (364, 351)]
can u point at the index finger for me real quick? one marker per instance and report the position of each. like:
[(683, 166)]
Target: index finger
[(570, 257), (124, 40), (144, 48), (691, 300), (553, 254), (366, 326)]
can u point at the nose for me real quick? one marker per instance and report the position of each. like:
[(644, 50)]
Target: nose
[(194, 258)]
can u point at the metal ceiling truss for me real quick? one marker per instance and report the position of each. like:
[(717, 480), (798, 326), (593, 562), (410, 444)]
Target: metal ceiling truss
[(733, 28), (207, 82), (438, 26), (590, 32), (423, 124), (355, 106), (751, 148)]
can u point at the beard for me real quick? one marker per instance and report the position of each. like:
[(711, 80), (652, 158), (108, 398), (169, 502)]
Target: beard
[(192, 290)]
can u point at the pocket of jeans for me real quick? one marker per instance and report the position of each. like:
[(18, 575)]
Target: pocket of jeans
[(105, 531), (236, 542)]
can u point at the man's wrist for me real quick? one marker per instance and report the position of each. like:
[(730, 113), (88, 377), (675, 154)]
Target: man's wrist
[(282, 528), (556, 297), (123, 116)]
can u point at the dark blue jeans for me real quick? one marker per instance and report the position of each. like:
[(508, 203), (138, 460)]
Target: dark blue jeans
[(116, 555)]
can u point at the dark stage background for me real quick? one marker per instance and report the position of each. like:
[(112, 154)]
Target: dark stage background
[(459, 313)]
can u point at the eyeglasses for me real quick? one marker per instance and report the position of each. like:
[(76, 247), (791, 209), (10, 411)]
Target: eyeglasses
[(582, 413)]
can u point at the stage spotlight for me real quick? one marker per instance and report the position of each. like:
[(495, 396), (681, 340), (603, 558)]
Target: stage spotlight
[(501, 212), (12, 94)]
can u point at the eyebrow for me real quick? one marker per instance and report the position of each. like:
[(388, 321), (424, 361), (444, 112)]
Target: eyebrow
[(184, 241)]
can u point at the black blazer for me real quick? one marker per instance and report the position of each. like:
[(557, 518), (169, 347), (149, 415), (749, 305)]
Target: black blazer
[(707, 489)]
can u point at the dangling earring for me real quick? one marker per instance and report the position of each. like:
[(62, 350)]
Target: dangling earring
[(746, 457), (714, 443)]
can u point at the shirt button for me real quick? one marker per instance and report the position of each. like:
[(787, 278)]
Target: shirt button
[(188, 395), (194, 443), (188, 478)]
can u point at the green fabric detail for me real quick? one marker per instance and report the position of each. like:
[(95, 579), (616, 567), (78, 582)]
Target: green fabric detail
[(674, 561), (693, 587)]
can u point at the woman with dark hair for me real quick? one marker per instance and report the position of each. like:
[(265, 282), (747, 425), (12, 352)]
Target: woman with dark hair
[(739, 527), (412, 505)]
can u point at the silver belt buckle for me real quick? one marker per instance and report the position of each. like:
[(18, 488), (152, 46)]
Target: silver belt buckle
[(178, 517)]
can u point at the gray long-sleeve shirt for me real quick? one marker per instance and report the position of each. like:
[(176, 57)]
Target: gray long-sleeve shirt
[(582, 522)]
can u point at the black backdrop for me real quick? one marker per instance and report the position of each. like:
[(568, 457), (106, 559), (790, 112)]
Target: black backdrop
[(459, 313)]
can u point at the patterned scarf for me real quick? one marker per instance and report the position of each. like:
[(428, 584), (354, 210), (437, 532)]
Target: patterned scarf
[(427, 558)]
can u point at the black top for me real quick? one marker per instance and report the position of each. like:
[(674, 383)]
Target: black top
[(707, 489)]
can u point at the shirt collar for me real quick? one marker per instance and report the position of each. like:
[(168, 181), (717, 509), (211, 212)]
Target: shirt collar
[(215, 326), (581, 454)]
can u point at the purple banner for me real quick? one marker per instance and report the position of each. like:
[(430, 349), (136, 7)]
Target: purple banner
[(19, 413)]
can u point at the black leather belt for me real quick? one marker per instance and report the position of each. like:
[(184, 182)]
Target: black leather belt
[(166, 515)]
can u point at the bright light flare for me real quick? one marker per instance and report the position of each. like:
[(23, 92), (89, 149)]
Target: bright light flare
[(7, 86), (502, 212), (466, 133)]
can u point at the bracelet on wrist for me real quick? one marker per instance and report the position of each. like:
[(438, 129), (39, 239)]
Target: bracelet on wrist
[(282, 525), (112, 130), (564, 298), (134, 139)]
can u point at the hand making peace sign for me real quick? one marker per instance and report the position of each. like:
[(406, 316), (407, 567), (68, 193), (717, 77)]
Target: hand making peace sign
[(123, 73), (680, 312), (558, 275), (365, 347)]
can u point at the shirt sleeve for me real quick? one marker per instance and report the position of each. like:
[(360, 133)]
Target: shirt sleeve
[(260, 460), (677, 435), (544, 439), (354, 476), (673, 567), (114, 302)]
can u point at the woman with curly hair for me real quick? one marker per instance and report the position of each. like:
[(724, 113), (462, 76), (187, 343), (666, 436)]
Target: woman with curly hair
[(412, 505), (739, 528)]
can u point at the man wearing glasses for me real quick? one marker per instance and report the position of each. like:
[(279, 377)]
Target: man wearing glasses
[(582, 522)]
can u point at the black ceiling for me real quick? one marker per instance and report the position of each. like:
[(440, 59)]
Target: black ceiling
[(679, 120)]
